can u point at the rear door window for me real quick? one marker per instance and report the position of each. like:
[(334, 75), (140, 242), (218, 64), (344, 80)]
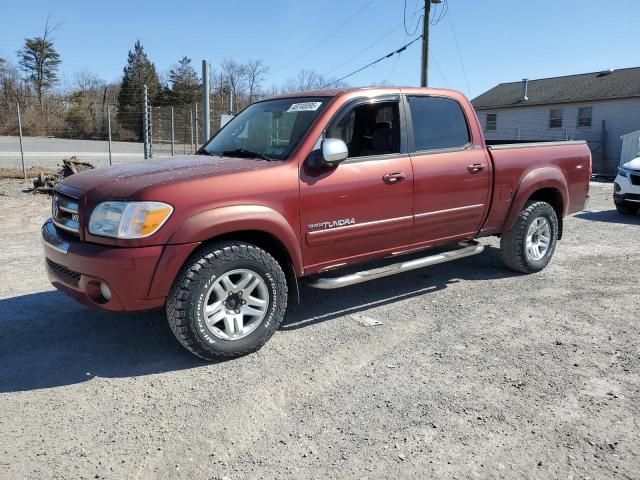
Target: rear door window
[(438, 123)]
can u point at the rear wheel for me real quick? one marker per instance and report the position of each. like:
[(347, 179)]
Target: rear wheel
[(227, 301), (626, 208), (529, 245)]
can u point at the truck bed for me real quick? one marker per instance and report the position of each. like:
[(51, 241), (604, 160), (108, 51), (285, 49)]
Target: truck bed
[(517, 163)]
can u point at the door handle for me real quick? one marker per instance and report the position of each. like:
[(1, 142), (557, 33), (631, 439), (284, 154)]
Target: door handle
[(395, 177), (475, 168)]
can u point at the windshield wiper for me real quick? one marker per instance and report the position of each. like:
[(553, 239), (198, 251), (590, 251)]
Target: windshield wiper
[(244, 153)]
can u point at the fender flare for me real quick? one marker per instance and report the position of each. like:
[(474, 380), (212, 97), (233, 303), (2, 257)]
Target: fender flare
[(235, 218), (537, 179)]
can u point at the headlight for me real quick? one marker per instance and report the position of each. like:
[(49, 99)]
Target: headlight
[(622, 173), (128, 219)]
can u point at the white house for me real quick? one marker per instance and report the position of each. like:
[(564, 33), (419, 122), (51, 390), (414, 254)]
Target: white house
[(598, 107)]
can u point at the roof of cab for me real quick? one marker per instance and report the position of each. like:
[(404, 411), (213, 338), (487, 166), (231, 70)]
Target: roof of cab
[(334, 92)]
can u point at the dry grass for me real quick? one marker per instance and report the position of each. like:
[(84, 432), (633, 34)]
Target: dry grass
[(31, 172)]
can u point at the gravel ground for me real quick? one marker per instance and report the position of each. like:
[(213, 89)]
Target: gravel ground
[(475, 372)]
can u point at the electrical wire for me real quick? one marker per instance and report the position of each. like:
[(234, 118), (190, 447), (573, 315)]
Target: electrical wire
[(404, 17), (384, 57), (395, 64), (387, 34), (432, 57), (437, 17), (455, 37), (321, 42)]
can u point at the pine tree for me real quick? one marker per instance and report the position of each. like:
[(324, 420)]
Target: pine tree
[(185, 85), (138, 72), (40, 61)]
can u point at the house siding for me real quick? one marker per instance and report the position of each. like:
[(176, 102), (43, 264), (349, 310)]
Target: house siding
[(532, 123)]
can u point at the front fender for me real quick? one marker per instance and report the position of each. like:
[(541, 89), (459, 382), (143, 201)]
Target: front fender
[(224, 220), (537, 179)]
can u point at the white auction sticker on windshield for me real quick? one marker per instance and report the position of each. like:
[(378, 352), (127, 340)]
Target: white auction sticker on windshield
[(304, 107)]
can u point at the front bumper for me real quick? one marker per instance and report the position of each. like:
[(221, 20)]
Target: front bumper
[(77, 269), (626, 197), (625, 190)]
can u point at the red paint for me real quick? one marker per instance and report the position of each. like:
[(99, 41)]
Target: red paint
[(407, 202)]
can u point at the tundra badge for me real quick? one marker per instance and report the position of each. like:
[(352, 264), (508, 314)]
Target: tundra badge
[(332, 224)]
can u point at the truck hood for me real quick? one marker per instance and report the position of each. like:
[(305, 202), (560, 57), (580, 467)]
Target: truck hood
[(123, 182)]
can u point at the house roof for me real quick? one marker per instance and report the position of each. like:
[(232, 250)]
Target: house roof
[(585, 87)]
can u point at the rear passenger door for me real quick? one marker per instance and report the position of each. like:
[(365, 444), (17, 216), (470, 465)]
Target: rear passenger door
[(451, 172)]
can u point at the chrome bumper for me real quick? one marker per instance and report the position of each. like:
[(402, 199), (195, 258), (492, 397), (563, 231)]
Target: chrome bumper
[(51, 240)]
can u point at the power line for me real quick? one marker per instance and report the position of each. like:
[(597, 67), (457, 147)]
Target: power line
[(444, 9), (455, 37), (404, 21), (384, 57), (321, 42), (395, 64), (439, 69), (387, 34)]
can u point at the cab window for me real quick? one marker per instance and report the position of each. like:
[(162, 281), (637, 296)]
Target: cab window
[(369, 129), (438, 123)]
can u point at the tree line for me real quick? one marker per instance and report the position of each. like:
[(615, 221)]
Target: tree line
[(80, 110)]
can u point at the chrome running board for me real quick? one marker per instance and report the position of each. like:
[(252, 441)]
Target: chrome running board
[(327, 283)]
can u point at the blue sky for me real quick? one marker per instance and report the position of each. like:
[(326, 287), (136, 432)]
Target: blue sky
[(500, 40)]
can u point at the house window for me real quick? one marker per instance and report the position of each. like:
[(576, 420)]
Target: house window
[(584, 117), (555, 118), (492, 122)]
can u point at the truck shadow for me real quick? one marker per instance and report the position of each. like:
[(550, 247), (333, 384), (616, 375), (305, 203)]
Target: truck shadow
[(609, 216), (48, 340), (323, 305)]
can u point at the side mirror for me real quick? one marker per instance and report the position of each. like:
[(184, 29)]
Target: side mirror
[(334, 151)]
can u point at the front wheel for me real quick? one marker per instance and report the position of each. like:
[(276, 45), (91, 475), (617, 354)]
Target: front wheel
[(625, 208), (529, 245), (227, 301)]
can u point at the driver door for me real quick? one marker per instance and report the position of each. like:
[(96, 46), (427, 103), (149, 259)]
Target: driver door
[(362, 208)]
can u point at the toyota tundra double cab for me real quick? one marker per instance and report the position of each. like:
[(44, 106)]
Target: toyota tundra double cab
[(305, 187)]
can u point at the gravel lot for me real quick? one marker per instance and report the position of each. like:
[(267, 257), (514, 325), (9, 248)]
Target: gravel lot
[(475, 372)]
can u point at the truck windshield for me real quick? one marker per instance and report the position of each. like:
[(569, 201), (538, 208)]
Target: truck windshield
[(268, 130)]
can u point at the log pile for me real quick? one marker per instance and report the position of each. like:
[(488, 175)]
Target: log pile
[(44, 183)]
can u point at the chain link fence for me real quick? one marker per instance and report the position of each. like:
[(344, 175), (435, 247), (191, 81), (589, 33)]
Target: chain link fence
[(35, 134), (101, 133)]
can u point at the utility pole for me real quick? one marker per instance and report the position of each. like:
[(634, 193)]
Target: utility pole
[(424, 66), (206, 100), (145, 122)]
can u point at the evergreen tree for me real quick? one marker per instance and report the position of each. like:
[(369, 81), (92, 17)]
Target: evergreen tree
[(138, 72), (185, 85), (40, 61)]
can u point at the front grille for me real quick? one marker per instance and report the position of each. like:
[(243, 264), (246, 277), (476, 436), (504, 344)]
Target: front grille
[(635, 179), (632, 196), (64, 271), (64, 212)]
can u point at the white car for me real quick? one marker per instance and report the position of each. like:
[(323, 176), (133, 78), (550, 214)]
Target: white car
[(626, 188)]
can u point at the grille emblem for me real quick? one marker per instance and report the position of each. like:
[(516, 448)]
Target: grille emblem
[(55, 207), (75, 217)]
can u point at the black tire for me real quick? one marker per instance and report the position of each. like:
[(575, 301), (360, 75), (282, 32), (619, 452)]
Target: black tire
[(513, 243), (185, 303), (625, 208)]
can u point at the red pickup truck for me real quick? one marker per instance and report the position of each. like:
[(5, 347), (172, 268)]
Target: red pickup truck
[(301, 186)]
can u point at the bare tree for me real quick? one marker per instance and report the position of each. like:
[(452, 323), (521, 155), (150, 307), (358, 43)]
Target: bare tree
[(311, 80), (255, 71), (87, 82), (234, 77)]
